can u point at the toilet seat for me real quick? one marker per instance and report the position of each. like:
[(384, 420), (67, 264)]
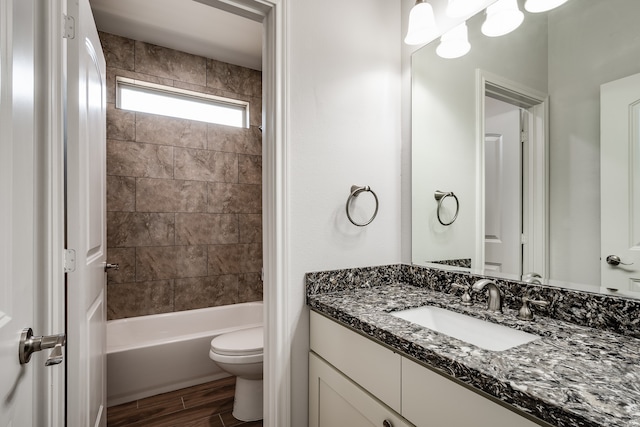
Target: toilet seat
[(246, 342)]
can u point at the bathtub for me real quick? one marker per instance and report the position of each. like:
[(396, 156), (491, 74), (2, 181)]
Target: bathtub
[(148, 355)]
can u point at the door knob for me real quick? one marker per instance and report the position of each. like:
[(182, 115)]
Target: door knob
[(108, 266), (30, 344), (615, 260)]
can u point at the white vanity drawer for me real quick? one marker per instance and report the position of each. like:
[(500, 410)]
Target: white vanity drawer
[(374, 367), (431, 400)]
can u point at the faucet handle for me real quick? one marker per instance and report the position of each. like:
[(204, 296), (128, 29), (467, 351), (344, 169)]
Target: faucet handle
[(466, 297), (525, 312)]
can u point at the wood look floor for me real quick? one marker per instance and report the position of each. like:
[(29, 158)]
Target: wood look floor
[(205, 405)]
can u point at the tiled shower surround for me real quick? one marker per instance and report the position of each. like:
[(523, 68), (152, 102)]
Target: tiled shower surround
[(184, 201)]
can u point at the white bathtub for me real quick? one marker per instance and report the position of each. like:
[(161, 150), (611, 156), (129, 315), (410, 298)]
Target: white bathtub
[(148, 355)]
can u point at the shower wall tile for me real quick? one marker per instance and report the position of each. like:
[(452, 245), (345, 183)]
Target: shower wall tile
[(233, 78), (135, 159), (118, 51), (203, 292), (170, 131), (249, 169), (125, 258), (133, 229), (121, 193), (250, 226), (236, 140), (235, 198), (184, 197), (235, 259), (139, 299), (121, 124), (249, 287), (168, 63), (206, 229), (205, 165), (165, 195), (169, 262)]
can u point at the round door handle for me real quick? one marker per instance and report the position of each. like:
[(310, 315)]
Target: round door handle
[(615, 260), (387, 423)]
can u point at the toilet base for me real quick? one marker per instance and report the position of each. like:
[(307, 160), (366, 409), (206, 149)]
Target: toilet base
[(247, 404)]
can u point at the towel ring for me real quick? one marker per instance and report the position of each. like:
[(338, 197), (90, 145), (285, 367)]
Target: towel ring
[(440, 196), (355, 190)]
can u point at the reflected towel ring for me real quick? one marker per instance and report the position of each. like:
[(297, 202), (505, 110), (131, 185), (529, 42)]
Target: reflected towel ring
[(440, 196), (355, 190)]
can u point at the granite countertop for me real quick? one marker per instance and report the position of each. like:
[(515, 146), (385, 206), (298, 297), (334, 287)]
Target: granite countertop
[(573, 376)]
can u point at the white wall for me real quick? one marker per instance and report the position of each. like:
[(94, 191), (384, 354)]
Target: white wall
[(344, 126)]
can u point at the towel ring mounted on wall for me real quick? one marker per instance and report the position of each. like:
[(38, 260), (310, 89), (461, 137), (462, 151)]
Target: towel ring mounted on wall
[(440, 196), (355, 191)]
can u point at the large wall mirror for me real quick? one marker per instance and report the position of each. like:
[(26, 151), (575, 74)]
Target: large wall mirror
[(526, 151)]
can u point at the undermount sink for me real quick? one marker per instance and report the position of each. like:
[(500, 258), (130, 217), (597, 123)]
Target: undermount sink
[(483, 334)]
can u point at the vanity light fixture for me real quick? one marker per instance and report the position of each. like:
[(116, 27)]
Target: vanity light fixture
[(537, 6), (454, 43), (461, 8), (422, 24), (503, 17)]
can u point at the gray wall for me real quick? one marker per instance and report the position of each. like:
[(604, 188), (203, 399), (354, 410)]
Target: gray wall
[(183, 197)]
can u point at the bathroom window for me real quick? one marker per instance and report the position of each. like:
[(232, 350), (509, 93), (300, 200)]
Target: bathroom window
[(136, 95)]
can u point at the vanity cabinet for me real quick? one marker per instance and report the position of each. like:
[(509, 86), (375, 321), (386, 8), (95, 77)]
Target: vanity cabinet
[(355, 381), (334, 400)]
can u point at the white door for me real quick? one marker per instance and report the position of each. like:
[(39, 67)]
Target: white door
[(86, 229), (17, 209), (620, 185), (503, 187)]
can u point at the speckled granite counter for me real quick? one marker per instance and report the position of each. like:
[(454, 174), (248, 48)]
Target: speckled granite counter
[(573, 376)]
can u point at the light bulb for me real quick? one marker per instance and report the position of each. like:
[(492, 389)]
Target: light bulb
[(454, 43), (422, 24), (502, 17), (537, 6)]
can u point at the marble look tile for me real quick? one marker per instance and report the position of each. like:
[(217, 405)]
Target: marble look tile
[(233, 78), (250, 228), (249, 169), (249, 287), (205, 165), (168, 63), (235, 198), (121, 124), (118, 51), (168, 262), (234, 140), (255, 111), (121, 193), (206, 229), (173, 131), (164, 195), (203, 292), (128, 229), (125, 258), (235, 259), (112, 73), (139, 160), (139, 299)]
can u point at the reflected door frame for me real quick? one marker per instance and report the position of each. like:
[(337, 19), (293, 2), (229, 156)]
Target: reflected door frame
[(535, 167)]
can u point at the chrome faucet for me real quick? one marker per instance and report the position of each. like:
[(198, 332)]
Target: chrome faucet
[(495, 299)]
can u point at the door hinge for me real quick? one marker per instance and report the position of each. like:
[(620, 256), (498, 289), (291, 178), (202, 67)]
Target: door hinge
[(69, 25), (523, 239), (69, 260), (524, 136)]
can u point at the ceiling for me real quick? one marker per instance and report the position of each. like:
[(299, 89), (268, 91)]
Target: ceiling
[(184, 25)]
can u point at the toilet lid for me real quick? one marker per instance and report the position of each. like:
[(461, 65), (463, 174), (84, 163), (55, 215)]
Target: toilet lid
[(239, 343)]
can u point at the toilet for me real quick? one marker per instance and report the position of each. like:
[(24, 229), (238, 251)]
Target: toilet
[(240, 353)]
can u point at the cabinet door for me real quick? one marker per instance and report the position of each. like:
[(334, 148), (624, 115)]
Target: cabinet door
[(336, 401), (431, 400)]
